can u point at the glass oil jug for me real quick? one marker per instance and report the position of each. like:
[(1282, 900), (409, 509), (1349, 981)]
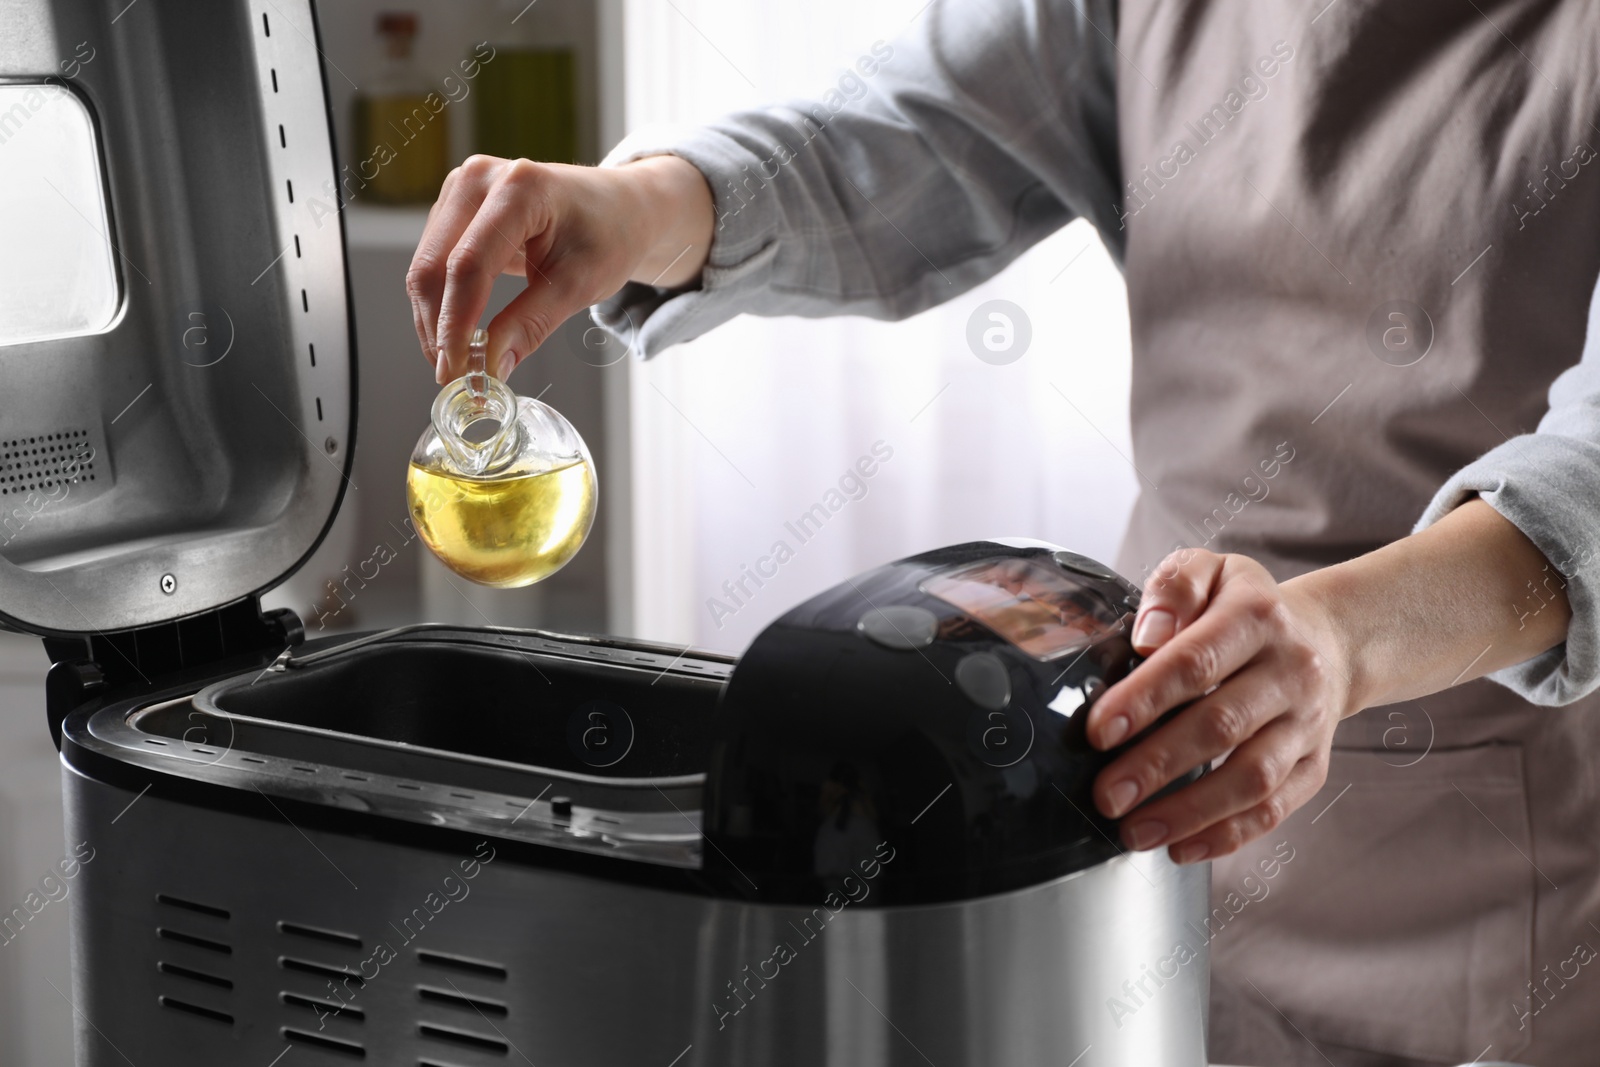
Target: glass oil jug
[(500, 487)]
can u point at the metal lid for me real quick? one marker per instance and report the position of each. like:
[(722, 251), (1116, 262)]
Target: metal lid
[(177, 427)]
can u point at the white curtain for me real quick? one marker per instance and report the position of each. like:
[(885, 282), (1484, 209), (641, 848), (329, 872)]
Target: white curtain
[(747, 429)]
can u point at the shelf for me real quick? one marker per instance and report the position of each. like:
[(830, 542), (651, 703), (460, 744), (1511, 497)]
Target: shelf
[(389, 229)]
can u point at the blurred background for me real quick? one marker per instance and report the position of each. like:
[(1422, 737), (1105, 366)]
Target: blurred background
[(703, 453)]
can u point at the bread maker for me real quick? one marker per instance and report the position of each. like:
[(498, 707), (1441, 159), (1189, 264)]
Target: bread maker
[(869, 840)]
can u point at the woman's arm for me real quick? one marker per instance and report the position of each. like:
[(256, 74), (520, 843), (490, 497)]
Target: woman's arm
[(927, 167), (576, 233), (1467, 596), (678, 200), (1272, 669)]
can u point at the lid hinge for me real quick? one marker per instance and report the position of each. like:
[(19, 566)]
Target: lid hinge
[(85, 665)]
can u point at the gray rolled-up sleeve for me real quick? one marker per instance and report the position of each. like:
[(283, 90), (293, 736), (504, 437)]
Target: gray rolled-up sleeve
[(928, 167), (1547, 483)]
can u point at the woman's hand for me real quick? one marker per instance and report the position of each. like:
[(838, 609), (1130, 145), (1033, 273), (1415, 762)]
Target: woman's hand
[(1267, 675), (576, 233), (1271, 669)]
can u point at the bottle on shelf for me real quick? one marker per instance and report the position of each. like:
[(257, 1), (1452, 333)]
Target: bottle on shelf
[(402, 146)]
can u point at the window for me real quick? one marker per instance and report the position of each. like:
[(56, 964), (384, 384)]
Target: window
[(58, 270)]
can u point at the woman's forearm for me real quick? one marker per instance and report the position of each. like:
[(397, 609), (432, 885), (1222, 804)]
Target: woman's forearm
[(1467, 596), (675, 200)]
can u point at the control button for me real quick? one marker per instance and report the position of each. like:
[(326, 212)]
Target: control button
[(985, 680), (1085, 566), (900, 627)]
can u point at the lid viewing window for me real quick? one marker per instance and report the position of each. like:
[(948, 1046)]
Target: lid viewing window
[(59, 273), (1031, 604)]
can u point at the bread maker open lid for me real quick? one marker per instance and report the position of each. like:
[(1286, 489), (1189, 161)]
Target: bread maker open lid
[(177, 426)]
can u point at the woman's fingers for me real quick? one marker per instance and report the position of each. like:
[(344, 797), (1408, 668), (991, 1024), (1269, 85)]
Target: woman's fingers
[(1255, 771), (461, 195), (1228, 634), (1175, 596), (1200, 733), (528, 321), (1229, 835), (424, 334), (418, 285), (1247, 666), (513, 224), (578, 234)]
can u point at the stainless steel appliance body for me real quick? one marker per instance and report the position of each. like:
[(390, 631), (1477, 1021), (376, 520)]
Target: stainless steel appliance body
[(258, 884), (870, 842), (565, 969)]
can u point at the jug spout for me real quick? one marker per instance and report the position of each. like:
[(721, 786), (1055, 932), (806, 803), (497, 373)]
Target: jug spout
[(476, 416)]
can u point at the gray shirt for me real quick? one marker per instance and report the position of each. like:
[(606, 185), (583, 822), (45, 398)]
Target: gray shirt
[(988, 126)]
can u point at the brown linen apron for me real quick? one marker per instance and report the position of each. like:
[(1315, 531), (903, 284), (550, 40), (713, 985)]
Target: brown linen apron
[(1318, 196)]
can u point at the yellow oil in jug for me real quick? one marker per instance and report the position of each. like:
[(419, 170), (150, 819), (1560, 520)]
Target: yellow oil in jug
[(504, 532)]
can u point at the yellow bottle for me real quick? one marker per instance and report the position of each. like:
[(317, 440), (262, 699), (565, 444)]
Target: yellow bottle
[(401, 128), (500, 487)]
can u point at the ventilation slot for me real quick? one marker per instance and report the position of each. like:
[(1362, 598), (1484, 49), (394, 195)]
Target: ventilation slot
[(193, 905), (47, 461), (190, 939), (460, 1000), (321, 970), (317, 933), (332, 1044), (193, 975), (464, 1038), (465, 964), (330, 1008), (195, 1009)]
